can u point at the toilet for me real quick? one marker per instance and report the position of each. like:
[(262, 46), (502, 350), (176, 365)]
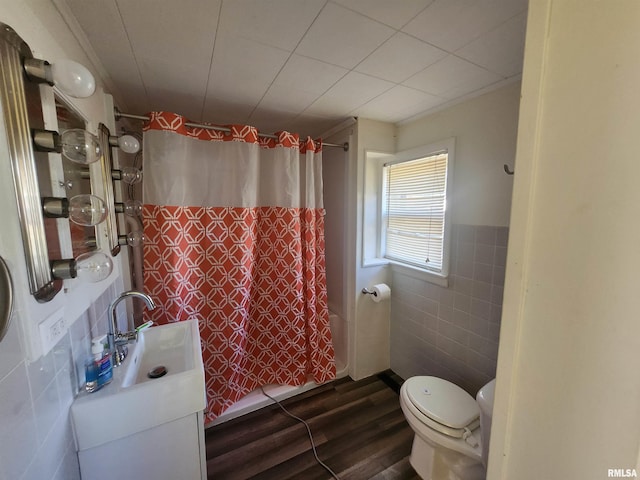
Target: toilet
[(451, 428)]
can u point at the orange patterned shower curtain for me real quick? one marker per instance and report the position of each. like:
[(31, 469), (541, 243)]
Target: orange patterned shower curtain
[(234, 227)]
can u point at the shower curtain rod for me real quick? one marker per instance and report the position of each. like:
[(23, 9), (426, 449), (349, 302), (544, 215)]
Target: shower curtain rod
[(118, 114)]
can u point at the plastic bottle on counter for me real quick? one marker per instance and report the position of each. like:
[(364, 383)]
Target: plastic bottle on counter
[(90, 375), (102, 359)]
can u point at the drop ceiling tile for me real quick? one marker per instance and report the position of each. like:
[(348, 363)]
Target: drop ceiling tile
[(255, 72), (350, 92), (399, 58), (169, 59), (165, 75), (103, 27), (245, 90), (398, 103), (133, 97), (180, 31), (267, 120), (394, 14), (243, 70), (314, 126), (451, 24), (223, 111), (342, 37), (287, 99), (500, 50), (183, 103), (309, 75), (279, 24), (451, 77)]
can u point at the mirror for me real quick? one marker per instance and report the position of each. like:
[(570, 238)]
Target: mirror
[(42, 213), (76, 181), (107, 179)]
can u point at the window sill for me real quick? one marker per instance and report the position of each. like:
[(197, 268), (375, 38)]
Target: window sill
[(413, 272), (374, 262), (419, 274)]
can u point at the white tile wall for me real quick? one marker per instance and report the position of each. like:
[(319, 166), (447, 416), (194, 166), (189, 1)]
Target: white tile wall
[(453, 332), (35, 398)]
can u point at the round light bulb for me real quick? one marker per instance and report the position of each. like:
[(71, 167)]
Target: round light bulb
[(87, 210), (131, 175), (93, 266), (129, 144), (73, 78), (80, 146), (133, 208)]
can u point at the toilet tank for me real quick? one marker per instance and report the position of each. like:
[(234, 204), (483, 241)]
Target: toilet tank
[(485, 402)]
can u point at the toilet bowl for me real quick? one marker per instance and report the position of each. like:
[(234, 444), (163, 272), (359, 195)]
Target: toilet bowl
[(451, 429)]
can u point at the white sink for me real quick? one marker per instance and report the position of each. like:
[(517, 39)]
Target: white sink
[(133, 402), (170, 346)]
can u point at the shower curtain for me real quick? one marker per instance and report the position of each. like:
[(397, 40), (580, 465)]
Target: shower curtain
[(234, 227)]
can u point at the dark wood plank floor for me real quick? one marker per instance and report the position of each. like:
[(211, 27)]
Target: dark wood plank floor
[(358, 428)]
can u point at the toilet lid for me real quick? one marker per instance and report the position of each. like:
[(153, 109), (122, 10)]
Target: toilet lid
[(444, 402)]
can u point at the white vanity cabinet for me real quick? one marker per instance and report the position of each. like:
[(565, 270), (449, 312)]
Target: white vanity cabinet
[(171, 451), (139, 427)]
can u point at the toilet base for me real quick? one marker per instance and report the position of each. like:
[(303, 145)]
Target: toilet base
[(443, 464)]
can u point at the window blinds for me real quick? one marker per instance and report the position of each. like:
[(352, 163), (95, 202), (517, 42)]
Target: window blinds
[(415, 208)]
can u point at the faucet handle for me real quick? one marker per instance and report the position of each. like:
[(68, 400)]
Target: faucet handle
[(119, 354), (126, 337)]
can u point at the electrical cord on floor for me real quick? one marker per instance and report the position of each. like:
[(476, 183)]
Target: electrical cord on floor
[(313, 445)]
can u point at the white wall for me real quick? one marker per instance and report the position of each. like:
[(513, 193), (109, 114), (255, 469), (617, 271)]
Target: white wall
[(36, 393), (452, 331), (485, 130), (335, 171), (336, 164), (370, 351), (422, 330), (568, 390)]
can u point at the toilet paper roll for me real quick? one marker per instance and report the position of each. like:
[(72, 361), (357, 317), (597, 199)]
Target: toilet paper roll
[(381, 291)]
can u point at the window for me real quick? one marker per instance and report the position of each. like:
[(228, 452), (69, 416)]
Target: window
[(414, 208)]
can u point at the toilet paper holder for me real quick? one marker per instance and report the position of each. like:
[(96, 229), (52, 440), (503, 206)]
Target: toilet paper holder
[(378, 293)]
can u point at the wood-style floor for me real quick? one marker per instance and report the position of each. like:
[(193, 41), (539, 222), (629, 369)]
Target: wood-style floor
[(358, 428)]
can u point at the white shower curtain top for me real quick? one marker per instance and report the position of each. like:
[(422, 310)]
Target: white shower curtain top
[(264, 172)]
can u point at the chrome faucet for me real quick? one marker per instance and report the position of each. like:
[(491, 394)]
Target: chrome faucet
[(118, 339)]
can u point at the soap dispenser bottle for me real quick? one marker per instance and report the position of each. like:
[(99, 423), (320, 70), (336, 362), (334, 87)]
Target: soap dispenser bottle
[(102, 359)]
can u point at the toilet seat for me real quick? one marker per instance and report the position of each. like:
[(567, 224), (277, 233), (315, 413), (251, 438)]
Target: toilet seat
[(442, 405)]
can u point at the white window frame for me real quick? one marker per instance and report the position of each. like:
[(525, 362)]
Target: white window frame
[(411, 269)]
